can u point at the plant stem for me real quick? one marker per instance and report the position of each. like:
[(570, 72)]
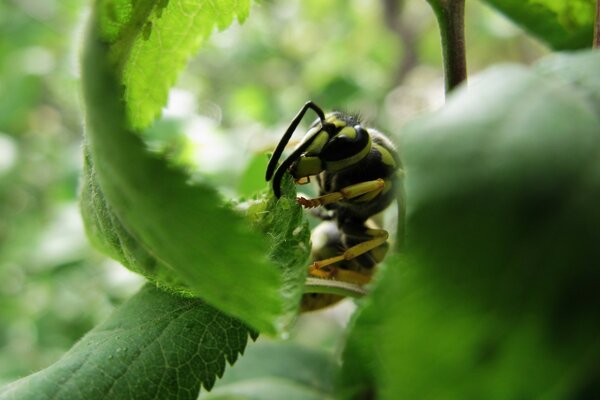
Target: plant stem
[(450, 15), (315, 285), (596, 43)]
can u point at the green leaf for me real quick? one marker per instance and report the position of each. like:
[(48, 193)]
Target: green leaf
[(496, 295), (107, 234), (272, 370), (157, 345), (152, 40), (362, 369), (179, 228), (562, 24), (578, 70), (282, 221)]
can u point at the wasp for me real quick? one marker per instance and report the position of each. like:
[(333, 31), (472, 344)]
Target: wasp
[(356, 169)]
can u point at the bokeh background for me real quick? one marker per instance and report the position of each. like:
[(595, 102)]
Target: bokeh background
[(379, 58)]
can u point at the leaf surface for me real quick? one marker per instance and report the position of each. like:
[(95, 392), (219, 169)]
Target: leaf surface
[(152, 40), (499, 281), (562, 24), (282, 221), (155, 346), (147, 214), (278, 370)]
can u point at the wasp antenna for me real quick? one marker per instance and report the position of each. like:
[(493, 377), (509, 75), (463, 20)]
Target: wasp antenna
[(289, 161), (288, 134)]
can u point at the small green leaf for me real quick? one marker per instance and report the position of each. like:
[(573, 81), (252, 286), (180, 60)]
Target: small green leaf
[(181, 230), (282, 221), (152, 40), (156, 346), (562, 24), (496, 295), (271, 370)]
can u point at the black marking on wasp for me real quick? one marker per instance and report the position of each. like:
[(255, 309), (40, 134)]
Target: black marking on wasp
[(356, 169)]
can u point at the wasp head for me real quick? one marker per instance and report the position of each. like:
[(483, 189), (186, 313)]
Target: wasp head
[(332, 143)]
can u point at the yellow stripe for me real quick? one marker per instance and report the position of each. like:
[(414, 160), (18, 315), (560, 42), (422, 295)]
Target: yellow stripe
[(386, 156), (317, 145), (335, 121), (348, 132), (333, 166)]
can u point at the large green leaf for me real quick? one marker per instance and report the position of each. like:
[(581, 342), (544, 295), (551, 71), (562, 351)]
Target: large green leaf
[(181, 232), (578, 72), (562, 24), (156, 346), (278, 370), (497, 293), (108, 235)]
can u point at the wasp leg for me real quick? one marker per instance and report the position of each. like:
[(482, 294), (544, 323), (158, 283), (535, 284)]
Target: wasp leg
[(348, 192), (323, 268), (340, 274)]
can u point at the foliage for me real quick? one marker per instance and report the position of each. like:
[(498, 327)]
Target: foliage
[(271, 370), (195, 239), (563, 25), (496, 277), (53, 286), (150, 41), (157, 346)]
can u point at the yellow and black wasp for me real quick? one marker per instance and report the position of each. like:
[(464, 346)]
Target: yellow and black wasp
[(356, 169)]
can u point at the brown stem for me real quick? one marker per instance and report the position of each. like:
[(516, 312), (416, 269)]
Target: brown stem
[(450, 15)]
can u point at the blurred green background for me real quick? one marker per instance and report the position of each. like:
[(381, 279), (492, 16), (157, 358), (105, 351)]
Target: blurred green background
[(379, 58)]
